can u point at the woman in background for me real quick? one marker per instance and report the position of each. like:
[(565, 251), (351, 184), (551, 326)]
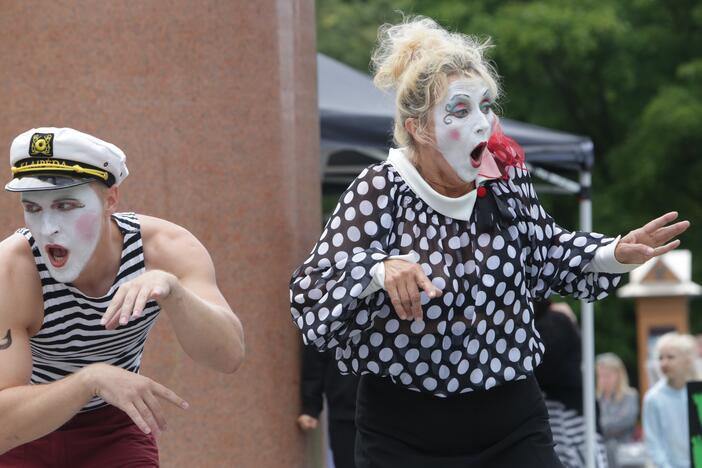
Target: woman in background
[(619, 404)]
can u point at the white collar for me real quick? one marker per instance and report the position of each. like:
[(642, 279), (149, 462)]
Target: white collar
[(457, 208)]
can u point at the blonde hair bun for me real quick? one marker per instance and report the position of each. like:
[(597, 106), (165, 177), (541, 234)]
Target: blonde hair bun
[(416, 57)]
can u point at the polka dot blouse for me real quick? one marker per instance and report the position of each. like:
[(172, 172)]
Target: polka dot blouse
[(480, 333)]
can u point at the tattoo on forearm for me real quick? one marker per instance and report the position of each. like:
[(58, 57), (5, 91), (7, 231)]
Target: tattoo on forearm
[(7, 341)]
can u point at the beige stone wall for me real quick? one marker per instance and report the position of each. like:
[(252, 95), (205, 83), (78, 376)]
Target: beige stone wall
[(214, 103)]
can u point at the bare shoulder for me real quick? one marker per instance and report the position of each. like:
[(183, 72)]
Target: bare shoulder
[(21, 295), (170, 247)]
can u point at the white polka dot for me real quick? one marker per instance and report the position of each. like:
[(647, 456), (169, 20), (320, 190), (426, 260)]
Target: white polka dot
[(339, 293), (386, 220), (435, 258), (454, 243), (429, 383), (501, 345), (493, 263), (458, 328), (376, 339), (412, 355), (314, 294), (484, 356), (490, 382), (452, 385), (473, 346), (498, 243), (509, 374), (370, 228), (358, 272), (463, 367), (476, 376), (405, 240), (488, 280), (379, 182), (428, 341), (362, 187), (338, 239), (421, 369), (480, 298), (350, 213), (348, 197), (499, 317), (401, 341), (385, 354), (363, 351), (382, 201), (395, 369), (508, 269), (482, 326), (508, 298), (433, 312), (520, 335), (483, 240), (417, 326), (392, 326), (514, 355), (528, 364), (373, 367)]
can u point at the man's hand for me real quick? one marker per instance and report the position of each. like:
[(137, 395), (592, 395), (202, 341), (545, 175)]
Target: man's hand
[(307, 422), (649, 241), (130, 299), (402, 282), (136, 395)]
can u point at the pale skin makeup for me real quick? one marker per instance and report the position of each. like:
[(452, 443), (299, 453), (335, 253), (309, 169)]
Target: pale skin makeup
[(462, 125), (66, 224)]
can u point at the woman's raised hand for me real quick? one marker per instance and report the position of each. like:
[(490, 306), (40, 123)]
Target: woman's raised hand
[(651, 240)]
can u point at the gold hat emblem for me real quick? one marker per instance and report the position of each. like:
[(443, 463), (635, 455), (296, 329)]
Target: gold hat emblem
[(40, 145)]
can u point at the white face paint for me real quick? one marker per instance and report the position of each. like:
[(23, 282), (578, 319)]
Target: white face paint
[(462, 124), (66, 225)]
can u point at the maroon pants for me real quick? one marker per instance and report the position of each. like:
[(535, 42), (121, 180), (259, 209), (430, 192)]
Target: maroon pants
[(103, 438)]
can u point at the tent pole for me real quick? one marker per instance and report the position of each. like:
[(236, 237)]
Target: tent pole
[(588, 332)]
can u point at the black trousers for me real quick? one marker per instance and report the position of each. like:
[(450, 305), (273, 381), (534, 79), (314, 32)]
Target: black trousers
[(342, 437), (503, 427)]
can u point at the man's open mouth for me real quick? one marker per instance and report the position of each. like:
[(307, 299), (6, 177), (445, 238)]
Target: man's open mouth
[(58, 256), (477, 154)]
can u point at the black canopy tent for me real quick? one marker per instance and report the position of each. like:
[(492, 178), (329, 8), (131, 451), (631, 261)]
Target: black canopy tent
[(356, 122)]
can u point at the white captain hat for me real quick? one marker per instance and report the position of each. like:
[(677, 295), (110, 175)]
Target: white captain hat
[(49, 158)]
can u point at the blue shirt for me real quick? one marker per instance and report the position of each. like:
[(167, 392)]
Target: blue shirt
[(665, 426)]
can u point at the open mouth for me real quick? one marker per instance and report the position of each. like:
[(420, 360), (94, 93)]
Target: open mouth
[(58, 256), (477, 154)]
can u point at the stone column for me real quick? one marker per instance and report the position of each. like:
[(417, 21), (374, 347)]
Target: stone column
[(214, 103)]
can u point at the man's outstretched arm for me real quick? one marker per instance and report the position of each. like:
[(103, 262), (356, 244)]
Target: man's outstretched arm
[(181, 278)]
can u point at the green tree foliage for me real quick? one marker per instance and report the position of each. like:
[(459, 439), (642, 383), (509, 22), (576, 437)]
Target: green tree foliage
[(627, 73)]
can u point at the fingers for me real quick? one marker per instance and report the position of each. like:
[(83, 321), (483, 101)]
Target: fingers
[(169, 395), (665, 248), (127, 306), (110, 316), (415, 305), (147, 416), (135, 416), (666, 233), (140, 302), (424, 283), (155, 408), (659, 222)]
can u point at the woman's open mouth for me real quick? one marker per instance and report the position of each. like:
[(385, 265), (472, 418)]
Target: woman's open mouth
[(58, 256), (477, 154)]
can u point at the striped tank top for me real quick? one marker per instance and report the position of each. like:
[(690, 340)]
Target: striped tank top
[(71, 336)]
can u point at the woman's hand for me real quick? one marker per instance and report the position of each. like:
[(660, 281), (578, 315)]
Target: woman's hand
[(402, 282), (307, 422), (649, 241)]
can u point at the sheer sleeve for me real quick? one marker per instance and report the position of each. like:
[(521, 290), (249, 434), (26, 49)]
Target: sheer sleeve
[(325, 289), (556, 258)]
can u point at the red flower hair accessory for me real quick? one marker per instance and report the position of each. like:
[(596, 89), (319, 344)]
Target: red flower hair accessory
[(506, 151)]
